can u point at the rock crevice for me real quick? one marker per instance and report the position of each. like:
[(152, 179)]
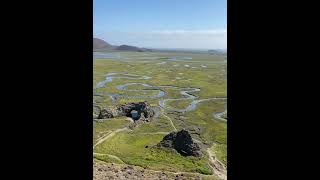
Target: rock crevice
[(136, 110)]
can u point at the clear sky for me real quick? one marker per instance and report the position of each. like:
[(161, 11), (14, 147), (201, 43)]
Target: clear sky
[(162, 23)]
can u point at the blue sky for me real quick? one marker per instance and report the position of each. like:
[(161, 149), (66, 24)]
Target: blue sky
[(162, 23)]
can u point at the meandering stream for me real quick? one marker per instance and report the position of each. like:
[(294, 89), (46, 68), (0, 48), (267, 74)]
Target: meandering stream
[(158, 92)]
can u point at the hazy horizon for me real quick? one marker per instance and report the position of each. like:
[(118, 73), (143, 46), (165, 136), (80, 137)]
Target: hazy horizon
[(165, 24)]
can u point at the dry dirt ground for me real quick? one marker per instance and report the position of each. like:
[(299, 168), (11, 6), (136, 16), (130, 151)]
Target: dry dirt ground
[(111, 171)]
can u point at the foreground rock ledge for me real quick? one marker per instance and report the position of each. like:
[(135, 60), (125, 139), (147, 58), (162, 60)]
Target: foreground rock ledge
[(111, 171), (136, 110), (182, 142)]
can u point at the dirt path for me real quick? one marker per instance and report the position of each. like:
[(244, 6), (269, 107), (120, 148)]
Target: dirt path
[(219, 116), (110, 155), (104, 134), (109, 136), (175, 129), (147, 173), (216, 166), (156, 133), (130, 119)]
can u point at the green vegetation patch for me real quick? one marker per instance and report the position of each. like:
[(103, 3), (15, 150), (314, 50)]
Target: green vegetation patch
[(131, 148), (107, 158), (220, 150), (203, 71), (103, 127)]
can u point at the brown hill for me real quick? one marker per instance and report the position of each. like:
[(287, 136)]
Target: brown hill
[(100, 44), (129, 48)]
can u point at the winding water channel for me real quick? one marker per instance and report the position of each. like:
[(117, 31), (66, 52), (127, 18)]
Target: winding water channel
[(157, 92)]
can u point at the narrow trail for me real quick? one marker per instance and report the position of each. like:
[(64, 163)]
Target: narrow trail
[(130, 119), (106, 133), (160, 171), (109, 136), (175, 129), (216, 166), (109, 155), (156, 133), (219, 116)]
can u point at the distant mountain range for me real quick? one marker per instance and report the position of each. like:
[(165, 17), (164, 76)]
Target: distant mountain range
[(99, 44), (218, 51)]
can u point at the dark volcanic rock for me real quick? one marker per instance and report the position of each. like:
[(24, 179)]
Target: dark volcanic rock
[(105, 113), (139, 108), (182, 142), (136, 110)]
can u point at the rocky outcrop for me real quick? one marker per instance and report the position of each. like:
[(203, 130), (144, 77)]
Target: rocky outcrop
[(182, 142), (136, 110), (112, 171)]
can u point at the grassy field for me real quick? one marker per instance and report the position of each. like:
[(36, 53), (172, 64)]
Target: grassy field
[(103, 127), (131, 148), (221, 152), (203, 71)]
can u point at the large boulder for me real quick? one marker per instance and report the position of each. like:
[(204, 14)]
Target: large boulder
[(182, 142), (105, 113), (136, 110), (139, 107)]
